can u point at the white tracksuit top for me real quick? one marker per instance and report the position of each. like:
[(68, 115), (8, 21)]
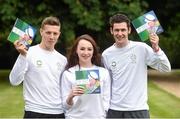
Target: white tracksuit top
[(128, 69), (86, 106), (40, 73)]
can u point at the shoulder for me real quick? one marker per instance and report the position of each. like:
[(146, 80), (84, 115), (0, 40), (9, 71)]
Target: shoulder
[(32, 48), (103, 73), (61, 57), (108, 50), (70, 70), (138, 44), (102, 69), (69, 74)]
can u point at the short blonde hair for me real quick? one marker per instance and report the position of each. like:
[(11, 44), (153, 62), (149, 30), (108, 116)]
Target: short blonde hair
[(50, 21)]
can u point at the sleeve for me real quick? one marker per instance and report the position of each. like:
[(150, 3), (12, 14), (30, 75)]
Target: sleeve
[(106, 90), (105, 64), (18, 71), (104, 61), (66, 87), (157, 60)]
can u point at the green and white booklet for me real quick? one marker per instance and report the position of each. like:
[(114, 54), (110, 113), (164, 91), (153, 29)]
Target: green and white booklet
[(89, 81), (146, 24), (21, 29)]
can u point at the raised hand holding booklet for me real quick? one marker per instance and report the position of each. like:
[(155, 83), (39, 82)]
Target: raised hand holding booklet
[(89, 81), (146, 24), (23, 30)]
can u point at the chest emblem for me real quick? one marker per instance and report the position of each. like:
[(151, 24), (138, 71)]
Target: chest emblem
[(113, 64), (39, 63)]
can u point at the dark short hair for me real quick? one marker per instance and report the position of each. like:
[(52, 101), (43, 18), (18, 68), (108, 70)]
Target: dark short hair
[(119, 18), (50, 21)]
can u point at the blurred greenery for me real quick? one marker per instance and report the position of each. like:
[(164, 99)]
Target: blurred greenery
[(163, 104), (88, 16), (11, 98)]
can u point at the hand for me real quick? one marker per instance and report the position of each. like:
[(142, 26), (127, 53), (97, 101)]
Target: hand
[(154, 39), (20, 47), (76, 91)]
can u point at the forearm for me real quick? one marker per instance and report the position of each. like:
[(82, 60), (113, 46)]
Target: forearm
[(106, 91), (19, 69), (69, 100), (161, 62)]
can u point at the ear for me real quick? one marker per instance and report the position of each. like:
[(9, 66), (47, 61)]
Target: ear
[(111, 30), (129, 30), (41, 30), (59, 34)]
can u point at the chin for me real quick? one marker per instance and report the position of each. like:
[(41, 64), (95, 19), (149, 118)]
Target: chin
[(120, 42)]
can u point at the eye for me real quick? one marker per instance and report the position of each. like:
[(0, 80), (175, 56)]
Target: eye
[(123, 30), (90, 49), (48, 33), (82, 48), (117, 30), (55, 33)]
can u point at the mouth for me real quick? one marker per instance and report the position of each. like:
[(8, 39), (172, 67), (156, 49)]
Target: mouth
[(51, 41), (86, 57), (119, 38)]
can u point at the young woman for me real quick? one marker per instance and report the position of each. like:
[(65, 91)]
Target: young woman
[(83, 101)]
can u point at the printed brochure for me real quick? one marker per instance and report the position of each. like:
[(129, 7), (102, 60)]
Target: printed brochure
[(89, 81), (146, 24), (23, 30)]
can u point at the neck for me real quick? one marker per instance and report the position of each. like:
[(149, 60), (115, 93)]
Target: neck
[(85, 65), (122, 45), (45, 47)]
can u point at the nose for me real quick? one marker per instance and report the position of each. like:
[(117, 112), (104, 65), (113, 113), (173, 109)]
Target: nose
[(51, 35), (120, 32), (86, 52)]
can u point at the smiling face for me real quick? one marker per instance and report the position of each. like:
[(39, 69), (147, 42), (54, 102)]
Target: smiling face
[(120, 28), (120, 32), (85, 52)]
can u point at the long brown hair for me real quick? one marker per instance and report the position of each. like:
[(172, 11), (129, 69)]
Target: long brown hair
[(73, 58)]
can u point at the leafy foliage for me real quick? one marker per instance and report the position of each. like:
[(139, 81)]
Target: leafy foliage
[(86, 16)]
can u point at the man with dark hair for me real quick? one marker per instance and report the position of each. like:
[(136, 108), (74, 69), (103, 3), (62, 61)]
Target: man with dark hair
[(127, 62)]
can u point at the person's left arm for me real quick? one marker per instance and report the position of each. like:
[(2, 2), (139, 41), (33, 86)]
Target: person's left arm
[(106, 90), (157, 58)]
